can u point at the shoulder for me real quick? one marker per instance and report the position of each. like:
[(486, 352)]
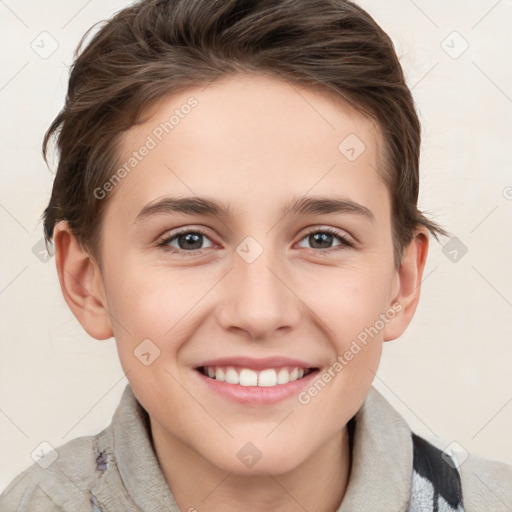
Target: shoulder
[(486, 484), (85, 472), (23, 494), (59, 480), (462, 479)]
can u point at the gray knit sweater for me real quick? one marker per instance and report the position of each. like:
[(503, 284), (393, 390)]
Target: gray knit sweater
[(393, 470)]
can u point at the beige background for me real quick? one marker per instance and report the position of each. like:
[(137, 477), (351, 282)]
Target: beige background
[(449, 375)]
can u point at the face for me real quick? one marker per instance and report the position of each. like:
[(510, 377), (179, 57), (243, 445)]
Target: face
[(278, 267)]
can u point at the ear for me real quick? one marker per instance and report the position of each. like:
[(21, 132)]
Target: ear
[(407, 284), (81, 283)]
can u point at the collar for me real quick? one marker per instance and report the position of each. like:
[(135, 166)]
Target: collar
[(382, 458), (136, 459)]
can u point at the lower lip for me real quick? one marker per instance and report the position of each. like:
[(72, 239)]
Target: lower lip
[(258, 395)]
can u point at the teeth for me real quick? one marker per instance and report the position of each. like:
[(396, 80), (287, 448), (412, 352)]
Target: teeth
[(267, 378), (246, 377), (219, 374), (283, 377), (232, 376)]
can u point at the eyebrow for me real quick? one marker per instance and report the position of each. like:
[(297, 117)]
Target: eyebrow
[(203, 206)]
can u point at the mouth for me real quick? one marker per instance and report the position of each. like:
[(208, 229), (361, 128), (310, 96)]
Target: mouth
[(247, 377)]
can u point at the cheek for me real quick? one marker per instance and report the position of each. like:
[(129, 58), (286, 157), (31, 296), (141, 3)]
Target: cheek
[(350, 302), (154, 316), (151, 301), (351, 310), (151, 314), (355, 336)]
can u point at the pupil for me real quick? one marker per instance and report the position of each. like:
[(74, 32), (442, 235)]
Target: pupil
[(321, 238), (193, 239)]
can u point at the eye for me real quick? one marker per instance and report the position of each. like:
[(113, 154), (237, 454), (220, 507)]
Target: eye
[(186, 240), (191, 240), (322, 239)]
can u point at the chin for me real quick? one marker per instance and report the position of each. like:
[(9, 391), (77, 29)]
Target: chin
[(249, 460)]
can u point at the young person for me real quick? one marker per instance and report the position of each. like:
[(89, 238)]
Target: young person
[(236, 204)]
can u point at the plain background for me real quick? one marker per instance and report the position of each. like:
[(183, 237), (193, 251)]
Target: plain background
[(449, 375)]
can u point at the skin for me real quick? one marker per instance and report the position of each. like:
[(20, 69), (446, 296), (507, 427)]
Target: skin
[(253, 142)]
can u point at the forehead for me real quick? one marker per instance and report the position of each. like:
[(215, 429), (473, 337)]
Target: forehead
[(251, 140)]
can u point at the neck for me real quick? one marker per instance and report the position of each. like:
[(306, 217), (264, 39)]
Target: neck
[(318, 483)]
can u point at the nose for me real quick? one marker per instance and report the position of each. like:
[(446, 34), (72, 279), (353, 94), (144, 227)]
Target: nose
[(258, 298)]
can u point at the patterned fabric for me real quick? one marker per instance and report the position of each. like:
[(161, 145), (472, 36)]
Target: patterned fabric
[(436, 483)]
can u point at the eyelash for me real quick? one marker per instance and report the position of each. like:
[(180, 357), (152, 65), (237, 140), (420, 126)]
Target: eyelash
[(345, 242)]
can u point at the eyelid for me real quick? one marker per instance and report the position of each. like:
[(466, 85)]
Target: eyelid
[(172, 234), (347, 240)]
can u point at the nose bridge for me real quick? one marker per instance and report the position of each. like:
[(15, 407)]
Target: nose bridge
[(257, 298)]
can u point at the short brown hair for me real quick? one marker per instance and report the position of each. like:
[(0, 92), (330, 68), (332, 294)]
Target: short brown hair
[(159, 47)]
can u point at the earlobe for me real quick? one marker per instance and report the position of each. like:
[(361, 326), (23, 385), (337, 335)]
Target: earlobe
[(81, 283), (408, 278)]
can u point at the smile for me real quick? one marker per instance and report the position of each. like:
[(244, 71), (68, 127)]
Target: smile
[(246, 377)]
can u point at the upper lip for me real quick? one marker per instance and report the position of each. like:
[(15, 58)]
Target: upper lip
[(257, 364)]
